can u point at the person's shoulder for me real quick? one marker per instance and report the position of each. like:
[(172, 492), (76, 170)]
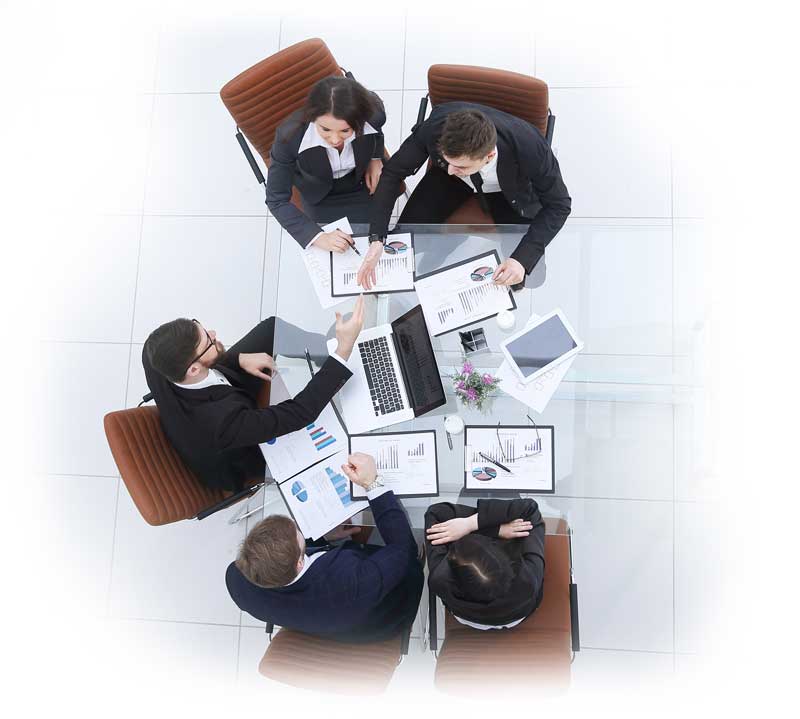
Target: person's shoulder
[(291, 130)]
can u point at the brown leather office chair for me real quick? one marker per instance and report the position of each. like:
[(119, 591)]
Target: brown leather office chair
[(162, 487), (535, 653), (519, 95), (263, 96), (309, 662)]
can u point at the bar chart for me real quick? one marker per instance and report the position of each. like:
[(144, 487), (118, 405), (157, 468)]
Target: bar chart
[(339, 482), (320, 437)]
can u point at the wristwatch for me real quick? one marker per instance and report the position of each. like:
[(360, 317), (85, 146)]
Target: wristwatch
[(378, 482), (374, 237)]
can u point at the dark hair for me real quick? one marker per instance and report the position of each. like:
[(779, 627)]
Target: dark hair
[(481, 569), (467, 133), (172, 347), (343, 98), (268, 556)]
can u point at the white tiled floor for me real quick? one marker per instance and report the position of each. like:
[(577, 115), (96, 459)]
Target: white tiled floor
[(186, 232)]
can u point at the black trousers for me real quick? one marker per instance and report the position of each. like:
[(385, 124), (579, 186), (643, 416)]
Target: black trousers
[(349, 198), (439, 195)]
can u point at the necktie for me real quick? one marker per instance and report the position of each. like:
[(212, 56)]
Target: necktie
[(477, 182)]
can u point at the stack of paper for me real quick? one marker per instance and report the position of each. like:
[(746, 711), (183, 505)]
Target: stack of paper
[(539, 392)]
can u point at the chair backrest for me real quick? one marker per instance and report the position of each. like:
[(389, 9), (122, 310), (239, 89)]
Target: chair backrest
[(519, 95), (161, 486), (263, 96), (537, 652), (309, 662)]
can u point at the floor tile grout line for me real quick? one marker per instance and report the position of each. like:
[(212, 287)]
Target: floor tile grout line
[(403, 75), (674, 443), (176, 621), (263, 270), (113, 549), (628, 651)]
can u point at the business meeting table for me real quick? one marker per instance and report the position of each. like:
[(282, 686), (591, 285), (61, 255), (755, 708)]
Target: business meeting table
[(557, 281)]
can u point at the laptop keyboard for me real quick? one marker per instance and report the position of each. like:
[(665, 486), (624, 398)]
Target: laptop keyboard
[(381, 379)]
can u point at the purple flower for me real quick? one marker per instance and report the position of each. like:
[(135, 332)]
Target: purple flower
[(488, 379), (472, 395), (461, 385), (467, 368)]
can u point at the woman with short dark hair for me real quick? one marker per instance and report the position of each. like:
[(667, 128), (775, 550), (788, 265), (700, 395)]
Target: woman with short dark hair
[(486, 564), (332, 151)]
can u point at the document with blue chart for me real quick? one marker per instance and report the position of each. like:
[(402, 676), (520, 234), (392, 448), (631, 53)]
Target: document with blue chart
[(319, 497), (292, 453), (394, 273), (406, 462), (460, 294), (509, 457)]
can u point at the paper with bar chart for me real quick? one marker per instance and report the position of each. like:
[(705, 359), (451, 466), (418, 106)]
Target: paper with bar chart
[(317, 262), (406, 461), (461, 294), (292, 453), (319, 497), (394, 273), (518, 457)]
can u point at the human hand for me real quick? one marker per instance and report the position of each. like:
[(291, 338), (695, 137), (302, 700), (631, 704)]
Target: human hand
[(373, 174), (366, 273), (336, 241), (515, 530), (452, 529), (360, 469), (343, 531), (348, 330), (255, 363), (509, 273)]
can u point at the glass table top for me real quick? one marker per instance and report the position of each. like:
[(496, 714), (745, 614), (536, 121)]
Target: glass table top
[(613, 280)]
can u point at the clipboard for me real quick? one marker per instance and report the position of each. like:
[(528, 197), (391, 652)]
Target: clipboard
[(430, 435), (495, 479), (362, 291), (459, 264)]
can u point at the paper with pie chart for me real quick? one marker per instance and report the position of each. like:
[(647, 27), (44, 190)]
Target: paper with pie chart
[(292, 453), (463, 293), (526, 451), (319, 497), (394, 273)]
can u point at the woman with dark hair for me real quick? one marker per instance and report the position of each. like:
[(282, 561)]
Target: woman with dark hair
[(332, 151), (486, 564)]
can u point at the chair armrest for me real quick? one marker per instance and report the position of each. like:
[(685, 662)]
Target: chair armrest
[(405, 640), (249, 155), (573, 617), (551, 124), (423, 108), (433, 634), (228, 501)]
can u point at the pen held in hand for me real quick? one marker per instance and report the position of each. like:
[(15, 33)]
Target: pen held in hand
[(354, 248), (495, 462)]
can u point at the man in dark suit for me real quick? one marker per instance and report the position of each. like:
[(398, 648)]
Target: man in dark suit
[(206, 396), (475, 149), (348, 593), (486, 564)]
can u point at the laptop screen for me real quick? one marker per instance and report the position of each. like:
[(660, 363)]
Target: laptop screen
[(420, 371)]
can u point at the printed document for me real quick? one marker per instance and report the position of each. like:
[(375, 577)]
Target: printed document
[(394, 273), (318, 264)]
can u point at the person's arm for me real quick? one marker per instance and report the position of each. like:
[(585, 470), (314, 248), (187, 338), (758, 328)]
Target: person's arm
[(280, 178), (383, 570), (406, 161), (533, 550), (492, 513), (246, 427), (545, 174), (378, 120), (436, 514)]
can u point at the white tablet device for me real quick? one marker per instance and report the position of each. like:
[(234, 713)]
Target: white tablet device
[(539, 347)]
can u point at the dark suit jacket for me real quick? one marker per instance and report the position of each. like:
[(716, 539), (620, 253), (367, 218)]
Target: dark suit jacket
[(350, 593), (527, 171), (216, 430), (527, 556), (310, 171)]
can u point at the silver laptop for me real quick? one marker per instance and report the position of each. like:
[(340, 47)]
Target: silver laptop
[(395, 375)]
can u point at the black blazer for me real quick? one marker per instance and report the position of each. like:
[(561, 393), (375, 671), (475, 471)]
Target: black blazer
[(216, 430), (310, 171), (350, 593), (527, 171), (527, 556)]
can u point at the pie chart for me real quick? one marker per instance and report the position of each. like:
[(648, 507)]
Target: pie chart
[(395, 248), (479, 274), (299, 491), (484, 474)]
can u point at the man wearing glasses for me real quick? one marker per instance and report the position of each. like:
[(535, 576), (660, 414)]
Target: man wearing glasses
[(206, 395)]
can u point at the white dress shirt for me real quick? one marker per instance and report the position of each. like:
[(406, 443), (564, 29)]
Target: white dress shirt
[(342, 162), (488, 174), (475, 625)]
